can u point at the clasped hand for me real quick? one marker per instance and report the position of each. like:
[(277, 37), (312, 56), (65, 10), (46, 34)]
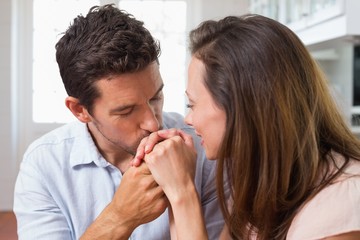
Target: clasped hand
[(171, 157)]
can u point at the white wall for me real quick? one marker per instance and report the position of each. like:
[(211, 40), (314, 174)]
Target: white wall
[(8, 163), (13, 133), (339, 72), (201, 10)]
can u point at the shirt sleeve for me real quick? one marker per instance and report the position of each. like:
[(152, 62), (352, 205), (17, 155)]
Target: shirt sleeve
[(334, 210), (38, 216)]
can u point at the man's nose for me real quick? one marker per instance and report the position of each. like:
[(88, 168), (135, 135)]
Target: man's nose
[(150, 122)]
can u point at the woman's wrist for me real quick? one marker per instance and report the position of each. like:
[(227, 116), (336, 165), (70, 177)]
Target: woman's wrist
[(188, 216)]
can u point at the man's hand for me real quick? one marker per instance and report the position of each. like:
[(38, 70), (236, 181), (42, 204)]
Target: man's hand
[(138, 200)]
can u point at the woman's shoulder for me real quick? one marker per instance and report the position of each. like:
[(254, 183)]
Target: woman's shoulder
[(334, 210)]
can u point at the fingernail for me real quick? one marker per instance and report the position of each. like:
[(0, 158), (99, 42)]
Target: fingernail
[(162, 131), (147, 148)]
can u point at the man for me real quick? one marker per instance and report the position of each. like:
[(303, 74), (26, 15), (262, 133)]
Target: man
[(77, 181)]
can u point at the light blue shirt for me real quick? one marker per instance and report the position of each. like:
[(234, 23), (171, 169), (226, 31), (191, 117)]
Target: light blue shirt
[(64, 183)]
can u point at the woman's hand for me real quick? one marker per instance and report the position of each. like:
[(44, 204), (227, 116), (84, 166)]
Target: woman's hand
[(171, 158), (147, 144)]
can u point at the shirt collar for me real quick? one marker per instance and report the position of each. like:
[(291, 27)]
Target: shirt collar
[(84, 150)]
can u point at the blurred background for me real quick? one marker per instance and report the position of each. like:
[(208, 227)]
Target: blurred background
[(32, 94)]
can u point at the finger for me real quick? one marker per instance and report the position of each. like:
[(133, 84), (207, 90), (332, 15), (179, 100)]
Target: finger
[(140, 151), (149, 158), (153, 139), (138, 158), (143, 168), (159, 136), (187, 138), (158, 191), (135, 162), (147, 144), (160, 199), (168, 133)]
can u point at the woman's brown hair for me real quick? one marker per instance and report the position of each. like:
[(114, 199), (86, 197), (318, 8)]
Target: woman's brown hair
[(282, 123)]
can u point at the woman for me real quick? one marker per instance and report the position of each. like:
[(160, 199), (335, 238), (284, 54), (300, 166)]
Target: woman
[(263, 110)]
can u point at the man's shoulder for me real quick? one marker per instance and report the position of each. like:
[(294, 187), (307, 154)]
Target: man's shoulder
[(176, 120), (64, 131), (173, 120), (57, 136)]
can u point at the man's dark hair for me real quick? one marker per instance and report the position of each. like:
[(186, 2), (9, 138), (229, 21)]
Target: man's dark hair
[(106, 42)]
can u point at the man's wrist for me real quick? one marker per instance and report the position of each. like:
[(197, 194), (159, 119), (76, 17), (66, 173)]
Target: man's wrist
[(109, 225)]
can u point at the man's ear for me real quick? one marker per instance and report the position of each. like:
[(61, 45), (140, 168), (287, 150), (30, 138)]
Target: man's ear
[(78, 110)]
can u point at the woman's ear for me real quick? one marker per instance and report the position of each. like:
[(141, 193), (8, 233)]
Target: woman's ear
[(77, 109)]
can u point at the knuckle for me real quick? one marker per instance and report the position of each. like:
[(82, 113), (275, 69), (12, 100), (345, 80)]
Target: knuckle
[(149, 157), (158, 149), (178, 139)]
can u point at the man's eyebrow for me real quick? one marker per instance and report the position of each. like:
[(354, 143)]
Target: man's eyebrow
[(121, 108), (129, 106), (159, 90)]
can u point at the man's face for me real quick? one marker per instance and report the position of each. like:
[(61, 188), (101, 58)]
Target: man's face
[(128, 109)]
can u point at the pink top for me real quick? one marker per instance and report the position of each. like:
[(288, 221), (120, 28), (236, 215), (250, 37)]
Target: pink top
[(334, 210)]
